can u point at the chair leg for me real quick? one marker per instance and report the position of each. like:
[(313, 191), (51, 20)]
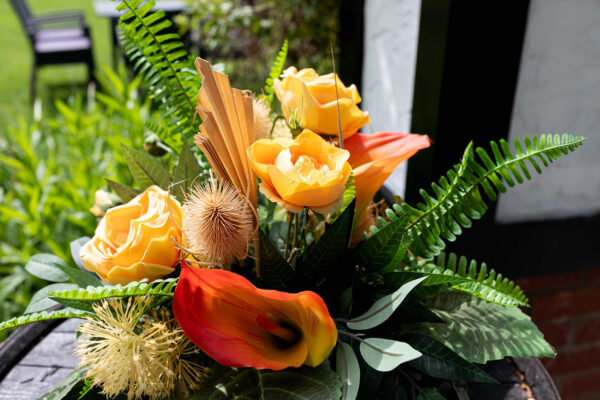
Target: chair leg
[(91, 67), (32, 84)]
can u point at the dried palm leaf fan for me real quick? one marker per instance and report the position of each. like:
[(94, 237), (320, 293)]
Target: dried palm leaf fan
[(226, 131)]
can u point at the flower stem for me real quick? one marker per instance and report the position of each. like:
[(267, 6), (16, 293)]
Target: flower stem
[(287, 236), (361, 340)]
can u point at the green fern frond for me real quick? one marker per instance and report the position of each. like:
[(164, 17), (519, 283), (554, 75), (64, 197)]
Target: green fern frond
[(42, 316), (276, 70), (157, 288), (457, 197), (167, 69), (479, 280)]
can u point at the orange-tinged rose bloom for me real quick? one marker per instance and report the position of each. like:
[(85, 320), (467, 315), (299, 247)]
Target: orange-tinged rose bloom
[(305, 172), (375, 156), (133, 241), (313, 98), (239, 325)]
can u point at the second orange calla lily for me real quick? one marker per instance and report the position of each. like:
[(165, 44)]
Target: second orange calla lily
[(374, 157)]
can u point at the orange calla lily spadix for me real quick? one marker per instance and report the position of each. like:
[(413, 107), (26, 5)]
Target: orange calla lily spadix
[(375, 156), (239, 325)]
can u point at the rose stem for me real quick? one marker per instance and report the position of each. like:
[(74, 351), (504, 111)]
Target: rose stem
[(287, 236)]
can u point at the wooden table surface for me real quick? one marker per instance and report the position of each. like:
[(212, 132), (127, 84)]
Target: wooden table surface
[(48, 363), (51, 360)]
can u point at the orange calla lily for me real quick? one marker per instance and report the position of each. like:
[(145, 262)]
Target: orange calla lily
[(239, 325), (375, 156)]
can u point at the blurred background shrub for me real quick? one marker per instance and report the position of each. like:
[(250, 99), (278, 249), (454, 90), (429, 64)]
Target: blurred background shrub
[(246, 34)]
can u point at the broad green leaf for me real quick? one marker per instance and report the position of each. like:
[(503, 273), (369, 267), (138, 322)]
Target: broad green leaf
[(186, 172), (383, 308), (40, 300), (331, 247), (54, 269), (348, 369), (385, 355), (305, 383), (430, 394), (75, 246), (441, 362), (48, 267), (479, 331), (146, 170), (385, 250), (276, 273), (125, 193)]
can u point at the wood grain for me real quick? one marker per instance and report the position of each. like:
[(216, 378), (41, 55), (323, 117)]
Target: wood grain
[(42, 368)]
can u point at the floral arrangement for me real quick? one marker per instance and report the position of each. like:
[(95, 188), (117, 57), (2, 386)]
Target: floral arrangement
[(255, 264)]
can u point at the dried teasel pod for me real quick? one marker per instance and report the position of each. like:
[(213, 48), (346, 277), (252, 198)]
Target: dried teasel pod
[(218, 223)]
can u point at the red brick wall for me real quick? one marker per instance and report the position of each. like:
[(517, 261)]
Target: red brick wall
[(566, 308)]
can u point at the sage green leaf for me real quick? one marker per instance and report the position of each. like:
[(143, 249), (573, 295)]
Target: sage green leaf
[(348, 369), (40, 300), (430, 394), (146, 170), (384, 251), (383, 308), (54, 269), (125, 193), (480, 331), (305, 383), (441, 362), (385, 354), (47, 267), (75, 246)]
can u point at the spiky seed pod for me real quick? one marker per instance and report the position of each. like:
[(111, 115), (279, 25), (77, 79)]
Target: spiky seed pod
[(262, 120), (124, 349), (217, 222)]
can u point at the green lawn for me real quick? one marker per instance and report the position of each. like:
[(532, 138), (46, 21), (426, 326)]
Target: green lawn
[(53, 81)]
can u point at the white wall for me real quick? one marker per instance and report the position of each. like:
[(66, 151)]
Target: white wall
[(558, 91), (391, 34)]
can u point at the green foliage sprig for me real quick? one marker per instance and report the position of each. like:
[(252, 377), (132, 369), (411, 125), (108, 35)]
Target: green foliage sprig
[(158, 287), (457, 197), (41, 316), (276, 70), (167, 69)]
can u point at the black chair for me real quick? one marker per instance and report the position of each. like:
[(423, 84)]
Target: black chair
[(56, 39)]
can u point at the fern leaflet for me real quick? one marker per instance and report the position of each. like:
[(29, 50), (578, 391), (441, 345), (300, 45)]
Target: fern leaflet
[(276, 70), (42, 316), (480, 281), (167, 69), (457, 198), (157, 288)]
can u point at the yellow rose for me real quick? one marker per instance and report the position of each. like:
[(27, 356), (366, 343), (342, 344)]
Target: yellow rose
[(313, 98), (305, 172), (133, 241)]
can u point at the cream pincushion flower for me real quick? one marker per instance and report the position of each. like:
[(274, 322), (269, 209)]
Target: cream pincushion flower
[(145, 354)]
